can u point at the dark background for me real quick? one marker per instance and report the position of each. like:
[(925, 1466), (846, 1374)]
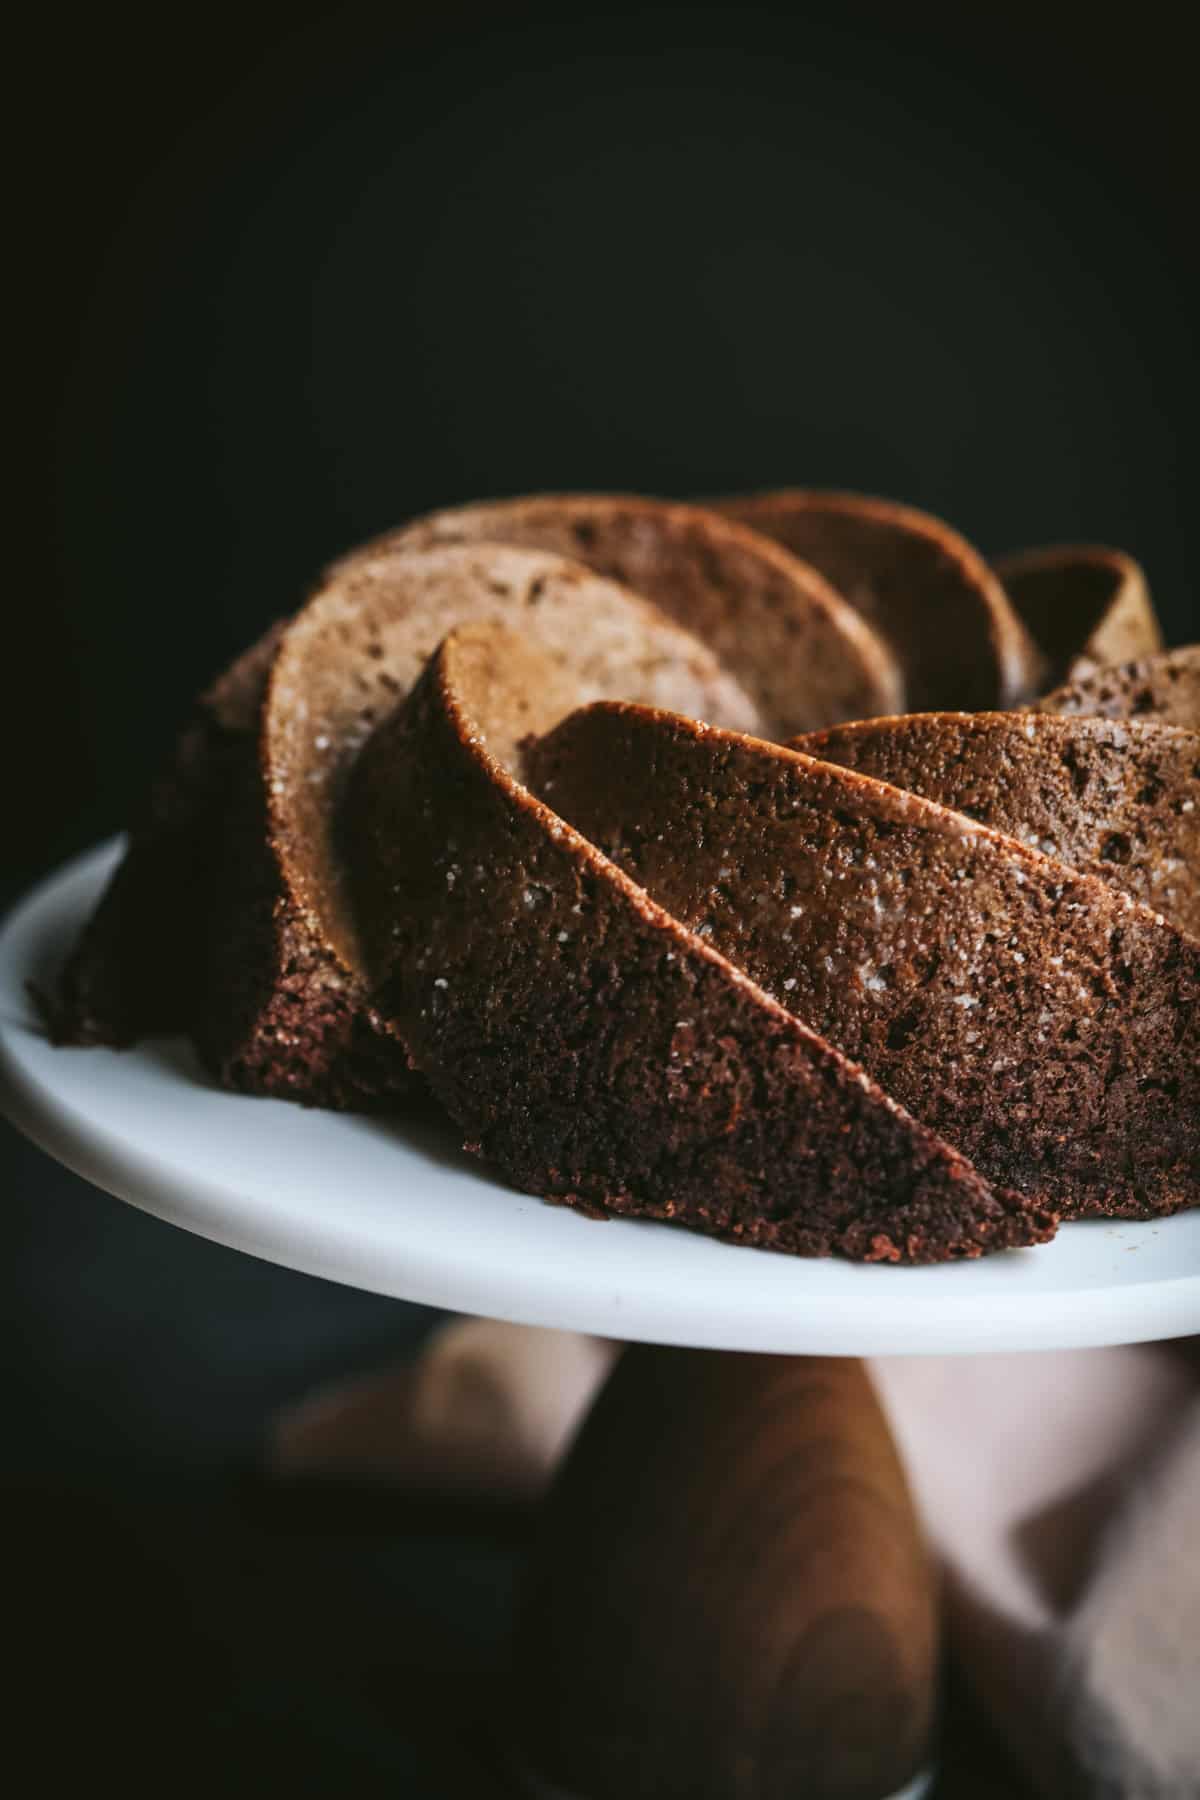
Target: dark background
[(279, 286)]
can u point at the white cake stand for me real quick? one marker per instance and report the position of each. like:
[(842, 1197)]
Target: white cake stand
[(397, 1209)]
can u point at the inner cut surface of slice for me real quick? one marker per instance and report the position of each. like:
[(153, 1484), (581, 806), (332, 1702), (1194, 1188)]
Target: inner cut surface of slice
[(592, 1046), (1116, 799), (359, 646), (922, 586), (1035, 1017), (1083, 604), (806, 657), (1166, 687)]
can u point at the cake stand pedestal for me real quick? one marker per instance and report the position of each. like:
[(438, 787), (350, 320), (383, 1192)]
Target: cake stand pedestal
[(729, 1593), (776, 1477)]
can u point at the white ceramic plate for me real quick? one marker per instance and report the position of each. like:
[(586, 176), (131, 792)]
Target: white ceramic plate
[(397, 1209)]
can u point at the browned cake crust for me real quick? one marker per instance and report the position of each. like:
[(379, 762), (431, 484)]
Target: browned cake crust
[(1117, 800), (1036, 1018), (805, 655), (190, 935), (137, 968), (1084, 605), (1165, 687), (594, 1048), (923, 587)]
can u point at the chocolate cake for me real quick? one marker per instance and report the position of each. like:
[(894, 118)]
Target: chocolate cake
[(589, 1043), (1035, 1017), (1120, 800), (1085, 605), (279, 1004), (127, 978), (774, 621), (903, 571), (501, 821), (1166, 687)]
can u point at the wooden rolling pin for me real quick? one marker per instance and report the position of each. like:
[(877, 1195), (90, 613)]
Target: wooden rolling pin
[(730, 1598)]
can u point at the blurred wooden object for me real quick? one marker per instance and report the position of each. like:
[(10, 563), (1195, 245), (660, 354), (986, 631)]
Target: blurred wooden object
[(481, 1415), (730, 1596)]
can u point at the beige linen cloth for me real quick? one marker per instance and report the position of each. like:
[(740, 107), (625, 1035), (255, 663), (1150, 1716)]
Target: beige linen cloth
[(1062, 1491)]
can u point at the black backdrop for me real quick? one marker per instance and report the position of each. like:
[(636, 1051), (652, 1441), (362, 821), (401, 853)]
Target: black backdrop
[(280, 285)]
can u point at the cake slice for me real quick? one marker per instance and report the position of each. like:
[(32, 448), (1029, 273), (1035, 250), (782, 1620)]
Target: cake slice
[(1117, 800), (138, 968), (1166, 687), (591, 1045), (805, 656), (1084, 605), (926, 591), (1036, 1018)]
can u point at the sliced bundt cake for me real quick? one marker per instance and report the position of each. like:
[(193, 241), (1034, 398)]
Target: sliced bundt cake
[(505, 823)]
